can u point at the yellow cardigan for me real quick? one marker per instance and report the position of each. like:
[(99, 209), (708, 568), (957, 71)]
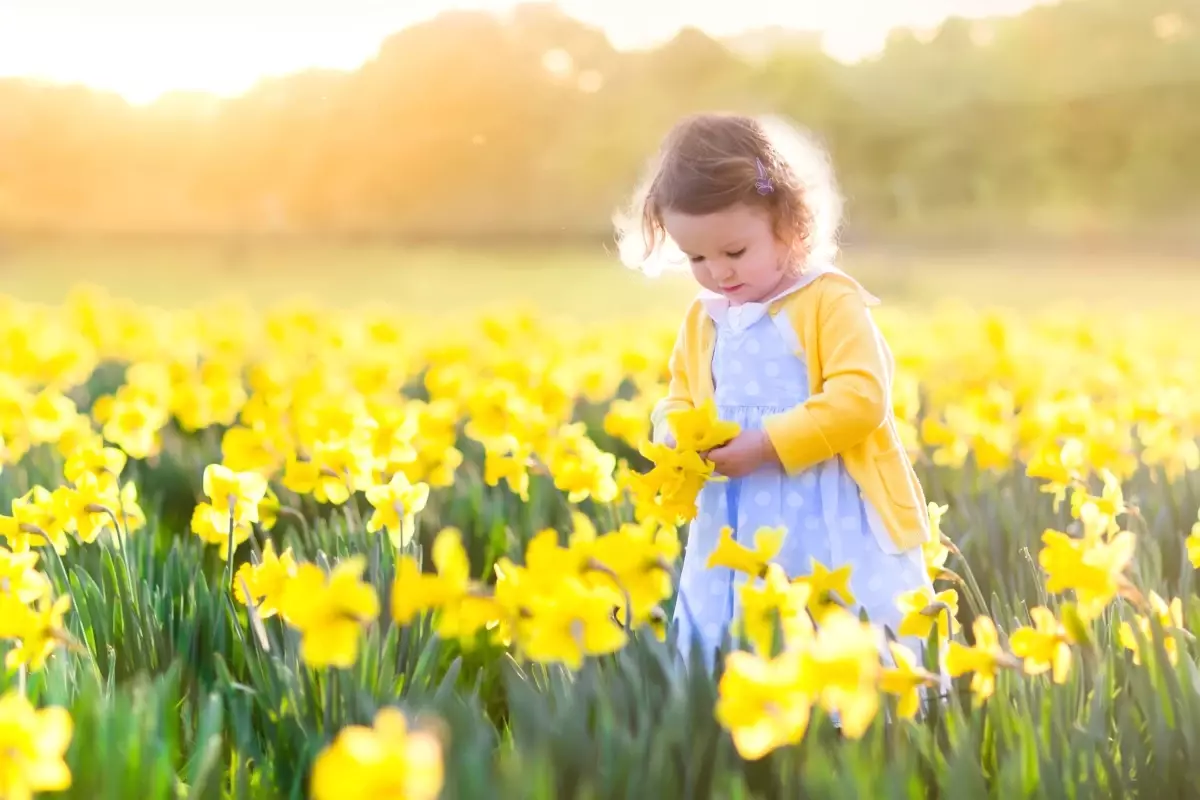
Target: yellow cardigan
[(849, 411)]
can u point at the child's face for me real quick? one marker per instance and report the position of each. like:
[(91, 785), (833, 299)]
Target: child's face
[(733, 252)]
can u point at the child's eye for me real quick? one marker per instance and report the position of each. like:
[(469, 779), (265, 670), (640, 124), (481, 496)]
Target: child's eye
[(695, 259), (737, 253)]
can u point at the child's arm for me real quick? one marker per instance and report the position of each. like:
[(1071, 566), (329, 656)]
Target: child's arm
[(854, 395), (678, 394)]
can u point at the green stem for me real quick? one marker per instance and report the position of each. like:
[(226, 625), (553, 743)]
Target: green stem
[(229, 552)]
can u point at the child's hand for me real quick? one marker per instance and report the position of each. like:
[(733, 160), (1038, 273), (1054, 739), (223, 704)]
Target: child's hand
[(747, 452)]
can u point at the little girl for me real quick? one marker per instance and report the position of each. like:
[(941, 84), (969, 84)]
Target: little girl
[(785, 344)]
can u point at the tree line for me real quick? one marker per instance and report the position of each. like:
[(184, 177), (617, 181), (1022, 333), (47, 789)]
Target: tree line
[(1083, 113)]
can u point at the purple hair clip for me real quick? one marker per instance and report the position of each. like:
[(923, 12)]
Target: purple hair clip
[(762, 182)]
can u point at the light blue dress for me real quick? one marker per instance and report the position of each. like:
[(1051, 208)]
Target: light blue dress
[(757, 372)]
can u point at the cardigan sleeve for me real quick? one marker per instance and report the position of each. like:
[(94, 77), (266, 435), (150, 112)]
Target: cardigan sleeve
[(679, 395), (852, 401)]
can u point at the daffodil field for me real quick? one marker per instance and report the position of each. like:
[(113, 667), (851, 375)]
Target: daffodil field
[(316, 553)]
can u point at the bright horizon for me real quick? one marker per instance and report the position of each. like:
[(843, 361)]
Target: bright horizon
[(142, 49)]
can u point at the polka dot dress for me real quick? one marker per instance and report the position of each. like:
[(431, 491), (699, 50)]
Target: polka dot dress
[(757, 373)]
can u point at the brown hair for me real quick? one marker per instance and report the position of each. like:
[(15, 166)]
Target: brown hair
[(709, 162)]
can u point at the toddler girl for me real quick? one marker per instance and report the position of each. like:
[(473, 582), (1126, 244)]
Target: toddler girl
[(785, 344)]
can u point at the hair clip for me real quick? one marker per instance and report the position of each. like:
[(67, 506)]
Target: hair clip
[(762, 183)]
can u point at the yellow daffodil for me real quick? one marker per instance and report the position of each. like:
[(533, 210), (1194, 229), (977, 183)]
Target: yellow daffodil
[(1193, 544), (386, 760), (761, 703), (730, 554), (39, 631), (206, 524), (93, 458), (396, 505), (841, 669), (776, 603), (336, 470), (464, 606), (923, 610), (570, 623), (266, 581), (982, 659), (511, 466), (829, 590), (904, 680), (37, 519), (19, 577), (1044, 647), (330, 611), (700, 429), (233, 495), (33, 746), (1170, 619), (1093, 569)]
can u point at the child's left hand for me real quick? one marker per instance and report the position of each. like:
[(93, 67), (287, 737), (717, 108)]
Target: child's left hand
[(747, 452)]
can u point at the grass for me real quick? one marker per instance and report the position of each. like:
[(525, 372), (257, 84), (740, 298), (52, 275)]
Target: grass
[(582, 281)]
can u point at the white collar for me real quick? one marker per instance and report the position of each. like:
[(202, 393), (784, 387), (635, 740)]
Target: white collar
[(742, 316)]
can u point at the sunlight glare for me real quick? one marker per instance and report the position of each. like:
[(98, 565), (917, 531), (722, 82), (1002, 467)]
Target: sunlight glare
[(142, 49)]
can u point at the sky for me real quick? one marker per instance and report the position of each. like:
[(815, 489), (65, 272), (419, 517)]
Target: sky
[(144, 48)]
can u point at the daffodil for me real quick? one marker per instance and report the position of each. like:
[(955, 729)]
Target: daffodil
[(37, 519), (1193, 544), (776, 603), (761, 703), (628, 420), (33, 746), (39, 631), (1170, 619), (51, 414), (1060, 466), (386, 760), (579, 467), (829, 590), (266, 581), (700, 429), (93, 458), (337, 469), (396, 505), (904, 680), (233, 496), (1099, 514), (735, 556), (20, 578), (982, 659), (90, 507), (1093, 569), (636, 562), (207, 526), (841, 669), (1044, 647), (511, 466), (923, 610), (330, 612), (570, 623), (934, 551), (463, 606)]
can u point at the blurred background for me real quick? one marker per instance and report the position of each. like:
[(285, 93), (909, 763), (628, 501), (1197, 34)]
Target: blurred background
[(444, 153)]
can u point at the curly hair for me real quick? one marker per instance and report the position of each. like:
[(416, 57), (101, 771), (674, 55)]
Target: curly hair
[(709, 162)]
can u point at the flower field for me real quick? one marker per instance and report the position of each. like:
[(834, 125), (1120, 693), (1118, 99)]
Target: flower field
[(348, 554)]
